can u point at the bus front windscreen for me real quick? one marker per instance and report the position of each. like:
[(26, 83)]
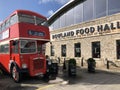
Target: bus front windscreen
[(28, 46)]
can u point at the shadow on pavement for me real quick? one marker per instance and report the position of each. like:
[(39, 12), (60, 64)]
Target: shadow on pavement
[(84, 77), (7, 83)]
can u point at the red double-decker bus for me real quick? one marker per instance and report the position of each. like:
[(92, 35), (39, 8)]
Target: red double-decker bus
[(22, 44)]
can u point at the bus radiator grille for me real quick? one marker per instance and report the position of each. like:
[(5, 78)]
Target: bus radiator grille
[(38, 64)]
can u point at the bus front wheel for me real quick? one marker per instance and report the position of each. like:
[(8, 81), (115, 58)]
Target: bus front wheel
[(15, 74)]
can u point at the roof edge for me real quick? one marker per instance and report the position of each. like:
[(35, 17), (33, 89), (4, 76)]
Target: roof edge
[(63, 9)]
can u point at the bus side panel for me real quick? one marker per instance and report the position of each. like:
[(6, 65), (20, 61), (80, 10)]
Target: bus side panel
[(27, 27), (16, 58), (4, 60), (14, 31)]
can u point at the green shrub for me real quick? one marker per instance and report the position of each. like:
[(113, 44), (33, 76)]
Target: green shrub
[(90, 60), (72, 61)]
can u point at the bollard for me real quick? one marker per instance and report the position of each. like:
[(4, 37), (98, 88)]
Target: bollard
[(107, 64), (64, 65), (82, 61), (59, 60)]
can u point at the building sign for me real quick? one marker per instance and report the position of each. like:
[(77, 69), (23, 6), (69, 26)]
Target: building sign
[(89, 31), (36, 33), (4, 35)]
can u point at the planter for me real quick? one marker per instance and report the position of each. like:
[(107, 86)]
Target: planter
[(91, 65), (72, 67)]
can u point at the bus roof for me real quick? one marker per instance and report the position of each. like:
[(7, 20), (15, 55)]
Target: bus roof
[(25, 12), (29, 12)]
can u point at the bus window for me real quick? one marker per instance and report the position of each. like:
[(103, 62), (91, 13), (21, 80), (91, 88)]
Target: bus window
[(4, 48), (32, 19), (15, 49), (40, 21), (45, 23), (3, 26), (26, 18), (41, 48), (13, 19), (28, 46), (7, 23)]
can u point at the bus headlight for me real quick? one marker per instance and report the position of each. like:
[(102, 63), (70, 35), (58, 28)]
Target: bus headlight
[(24, 66)]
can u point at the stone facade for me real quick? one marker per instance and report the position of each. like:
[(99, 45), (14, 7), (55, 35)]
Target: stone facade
[(107, 41)]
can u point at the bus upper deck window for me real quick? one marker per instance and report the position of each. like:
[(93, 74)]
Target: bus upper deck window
[(40, 21), (13, 19), (26, 18)]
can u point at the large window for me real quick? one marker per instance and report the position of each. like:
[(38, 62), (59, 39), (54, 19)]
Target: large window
[(88, 10), (77, 50), (78, 11), (57, 23), (70, 17), (118, 48), (100, 8), (96, 49), (63, 50), (113, 6), (52, 50), (63, 20)]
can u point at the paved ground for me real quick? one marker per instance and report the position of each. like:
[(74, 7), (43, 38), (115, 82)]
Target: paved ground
[(90, 81), (84, 81)]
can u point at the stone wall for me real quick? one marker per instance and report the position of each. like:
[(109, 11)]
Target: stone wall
[(107, 42)]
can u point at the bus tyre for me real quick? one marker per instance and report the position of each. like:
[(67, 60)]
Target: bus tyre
[(15, 74)]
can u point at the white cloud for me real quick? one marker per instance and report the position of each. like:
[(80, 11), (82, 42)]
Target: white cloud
[(62, 1), (50, 12), (44, 1), (58, 1)]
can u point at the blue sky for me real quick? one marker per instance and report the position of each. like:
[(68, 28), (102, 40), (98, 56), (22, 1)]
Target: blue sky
[(44, 7)]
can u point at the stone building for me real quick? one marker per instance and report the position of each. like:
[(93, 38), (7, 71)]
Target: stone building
[(83, 29)]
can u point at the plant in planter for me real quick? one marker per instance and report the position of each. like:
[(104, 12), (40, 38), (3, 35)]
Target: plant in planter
[(72, 67), (91, 65)]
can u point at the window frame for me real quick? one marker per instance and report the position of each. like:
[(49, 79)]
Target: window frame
[(96, 49), (63, 48), (117, 49), (77, 46)]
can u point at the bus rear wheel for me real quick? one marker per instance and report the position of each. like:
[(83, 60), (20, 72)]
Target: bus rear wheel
[(15, 74)]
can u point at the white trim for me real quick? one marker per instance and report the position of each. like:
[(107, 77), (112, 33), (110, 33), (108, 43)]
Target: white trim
[(7, 41), (61, 8), (30, 39), (4, 42), (34, 39)]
